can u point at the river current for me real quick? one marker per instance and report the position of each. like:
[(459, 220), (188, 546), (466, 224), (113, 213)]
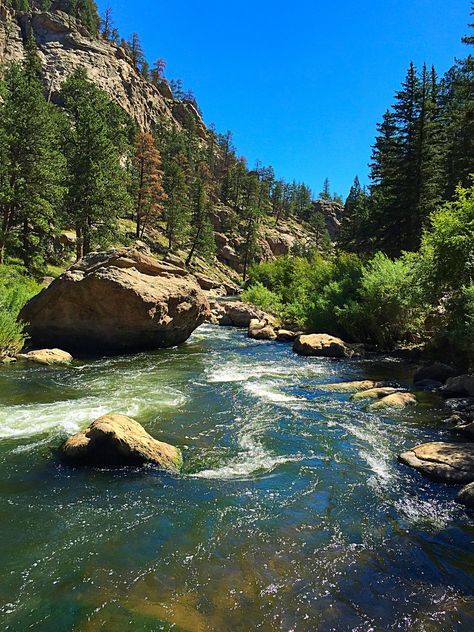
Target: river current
[(291, 513)]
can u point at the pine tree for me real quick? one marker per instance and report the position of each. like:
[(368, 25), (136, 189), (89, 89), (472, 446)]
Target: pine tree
[(136, 51), (202, 234), (326, 192), (176, 208), (149, 193), (320, 238), (31, 166), (458, 121), (97, 194), (469, 39)]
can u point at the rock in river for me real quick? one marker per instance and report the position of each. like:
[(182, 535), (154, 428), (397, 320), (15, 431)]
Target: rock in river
[(446, 462), (396, 400), (45, 356), (116, 440), (116, 301), (466, 496), (261, 330), (375, 393), (322, 345)]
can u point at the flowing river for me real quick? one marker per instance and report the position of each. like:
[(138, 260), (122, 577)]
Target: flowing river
[(292, 512)]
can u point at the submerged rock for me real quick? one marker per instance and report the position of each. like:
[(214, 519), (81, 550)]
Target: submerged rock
[(466, 496), (116, 440), (447, 462), (46, 356), (396, 400), (375, 393), (322, 345), (116, 301)]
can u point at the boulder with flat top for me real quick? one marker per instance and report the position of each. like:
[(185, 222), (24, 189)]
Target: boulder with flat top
[(117, 301), (322, 345), (446, 462)]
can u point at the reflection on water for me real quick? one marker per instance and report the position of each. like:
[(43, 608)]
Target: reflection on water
[(292, 512)]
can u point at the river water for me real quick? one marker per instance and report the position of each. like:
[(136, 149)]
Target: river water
[(292, 512)]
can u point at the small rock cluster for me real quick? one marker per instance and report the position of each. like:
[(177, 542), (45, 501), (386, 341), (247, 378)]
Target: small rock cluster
[(445, 461)]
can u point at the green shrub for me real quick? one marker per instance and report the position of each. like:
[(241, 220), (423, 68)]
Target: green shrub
[(388, 308), (261, 296), (15, 290)]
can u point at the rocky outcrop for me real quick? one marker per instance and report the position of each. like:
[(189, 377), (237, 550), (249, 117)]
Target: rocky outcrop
[(116, 302), (64, 45), (46, 356), (322, 345), (116, 441), (332, 212), (446, 462), (395, 400)]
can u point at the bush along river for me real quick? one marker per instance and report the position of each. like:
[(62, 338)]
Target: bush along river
[(291, 513)]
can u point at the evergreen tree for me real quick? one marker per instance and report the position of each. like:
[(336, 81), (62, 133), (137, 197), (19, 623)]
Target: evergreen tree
[(31, 165), (202, 234), (149, 193), (176, 211), (97, 194), (320, 238), (469, 39), (326, 192), (135, 49)]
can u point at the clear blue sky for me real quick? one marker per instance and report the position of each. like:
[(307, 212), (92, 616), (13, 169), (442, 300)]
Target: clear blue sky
[(301, 84)]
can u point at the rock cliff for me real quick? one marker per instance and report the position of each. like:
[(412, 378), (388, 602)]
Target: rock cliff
[(64, 45)]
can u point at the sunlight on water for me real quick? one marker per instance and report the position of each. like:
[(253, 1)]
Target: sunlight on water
[(292, 512)]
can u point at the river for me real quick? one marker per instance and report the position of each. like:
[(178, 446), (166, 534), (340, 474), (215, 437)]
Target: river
[(292, 512)]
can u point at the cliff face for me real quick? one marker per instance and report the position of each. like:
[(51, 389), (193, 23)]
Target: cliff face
[(64, 45)]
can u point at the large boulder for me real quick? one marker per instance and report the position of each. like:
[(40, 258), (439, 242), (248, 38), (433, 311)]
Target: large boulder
[(436, 372), (322, 345), (460, 386), (115, 302), (446, 462), (116, 441), (46, 356)]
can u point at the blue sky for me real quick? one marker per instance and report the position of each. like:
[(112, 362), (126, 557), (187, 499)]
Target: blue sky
[(301, 84)]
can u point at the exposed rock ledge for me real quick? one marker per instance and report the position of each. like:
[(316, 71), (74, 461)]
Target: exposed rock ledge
[(115, 302)]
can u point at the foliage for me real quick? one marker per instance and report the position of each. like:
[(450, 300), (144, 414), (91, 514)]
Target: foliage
[(97, 194), (15, 290)]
